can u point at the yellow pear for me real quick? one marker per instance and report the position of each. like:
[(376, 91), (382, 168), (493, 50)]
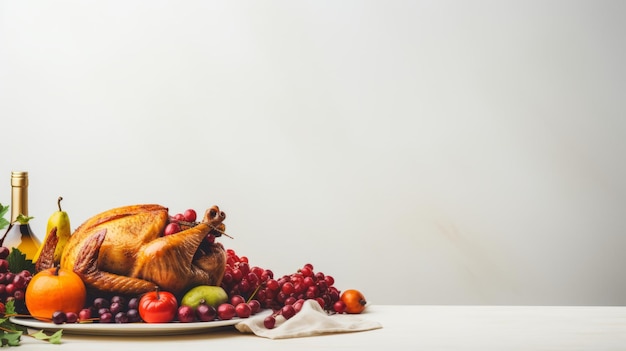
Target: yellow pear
[(61, 221), (209, 294)]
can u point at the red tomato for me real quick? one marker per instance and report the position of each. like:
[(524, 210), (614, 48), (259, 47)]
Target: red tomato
[(158, 307)]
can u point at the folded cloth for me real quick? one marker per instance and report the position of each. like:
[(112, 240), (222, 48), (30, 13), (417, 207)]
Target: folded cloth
[(310, 320)]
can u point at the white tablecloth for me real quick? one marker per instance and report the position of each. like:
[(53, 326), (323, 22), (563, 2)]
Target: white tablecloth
[(411, 327)]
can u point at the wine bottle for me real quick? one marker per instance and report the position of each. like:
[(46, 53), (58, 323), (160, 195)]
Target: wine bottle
[(19, 234)]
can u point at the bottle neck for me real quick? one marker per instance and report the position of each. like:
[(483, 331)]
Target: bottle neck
[(19, 194)]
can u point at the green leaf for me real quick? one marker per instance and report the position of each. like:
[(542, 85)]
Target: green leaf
[(10, 333), (23, 219), (18, 262), (3, 211), (9, 307), (53, 339), (40, 335), (11, 338), (56, 337)]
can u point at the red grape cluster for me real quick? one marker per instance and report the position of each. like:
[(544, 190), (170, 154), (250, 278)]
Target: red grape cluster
[(286, 312), (185, 220), (12, 284), (174, 226), (235, 307), (258, 283), (117, 309)]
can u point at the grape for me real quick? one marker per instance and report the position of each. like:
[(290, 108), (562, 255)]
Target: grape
[(297, 306), (119, 299), (253, 278), (25, 273), (339, 306), (172, 228), (288, 311), (116, 307), (244, 286), (106, 317), (133, 315), (121, 317), (4, 252), (84, 314), (243, 310), (71, 317), (226, 311), (59, 317), (237, 274), (133, 303), (290, 300), (185, 314), (255, 306), (272, 284), (10, 289), (190, 215), (306, 271), (321, 302), (287, 288), (100, 302), (311, 292), (269, 322), (330, 281), (19, 295), (4, 265), (205, 313), (322, 285), (236, 300), (19, 281), (210, 239)]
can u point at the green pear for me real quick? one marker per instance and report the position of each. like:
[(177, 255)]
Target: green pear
[(209, 294)]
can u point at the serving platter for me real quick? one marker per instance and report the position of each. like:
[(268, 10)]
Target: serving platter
[(114, 329)]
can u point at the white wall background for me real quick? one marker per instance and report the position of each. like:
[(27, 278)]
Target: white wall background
[(424, 152)]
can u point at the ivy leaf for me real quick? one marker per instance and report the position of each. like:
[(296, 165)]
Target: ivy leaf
[(18, 262), (40, 335), (56, 337), (3, 211), (23, 219), (11, 338), (53, 339), (9, 307), (10, 333)]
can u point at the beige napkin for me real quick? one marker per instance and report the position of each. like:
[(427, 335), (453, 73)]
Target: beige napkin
[(311, 320)]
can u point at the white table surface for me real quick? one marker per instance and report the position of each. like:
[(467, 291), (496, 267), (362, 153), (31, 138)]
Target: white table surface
[(411, 327)]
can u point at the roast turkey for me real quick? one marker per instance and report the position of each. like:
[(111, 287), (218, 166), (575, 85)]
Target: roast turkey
[(124, 251)]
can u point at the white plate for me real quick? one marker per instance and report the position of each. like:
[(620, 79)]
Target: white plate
[(173, 328)]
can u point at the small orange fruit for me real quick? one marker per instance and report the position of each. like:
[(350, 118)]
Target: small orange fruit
[(354, 300), (54, 289)]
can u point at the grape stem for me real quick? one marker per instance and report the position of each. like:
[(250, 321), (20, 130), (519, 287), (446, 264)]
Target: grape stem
[(193, 224), (254, 292)]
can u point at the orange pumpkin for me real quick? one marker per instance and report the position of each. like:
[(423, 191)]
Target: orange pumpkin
[(354, 300), (55, 289)]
